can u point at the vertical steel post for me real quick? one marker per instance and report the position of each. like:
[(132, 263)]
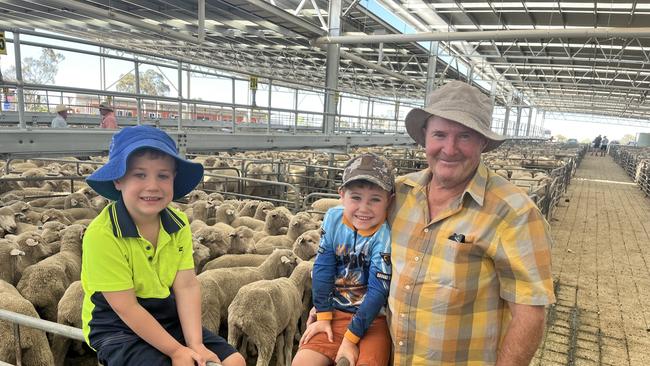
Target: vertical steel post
[(19, 80), (505, 121), (332, 67), (180, 95), (431, 70), (138, 108), (518, 123), (530, 119)]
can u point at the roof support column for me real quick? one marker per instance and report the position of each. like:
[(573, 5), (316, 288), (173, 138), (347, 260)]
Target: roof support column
[(505, 121), (541, 124), (530, 119), (518, 123), (431, 70), (138, 108), (19, 80), (332, 67), (180, 95)]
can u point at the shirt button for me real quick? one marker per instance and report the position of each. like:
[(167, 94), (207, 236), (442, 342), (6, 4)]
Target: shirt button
[(148, 247), (402, 315), (408, 287), (150, 258), (426, 230), (416, 259), (400, 343)]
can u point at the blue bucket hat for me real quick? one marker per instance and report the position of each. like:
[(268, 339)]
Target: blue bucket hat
[(130, 139)]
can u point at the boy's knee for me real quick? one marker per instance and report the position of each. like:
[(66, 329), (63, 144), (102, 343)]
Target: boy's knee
[(236, 359)]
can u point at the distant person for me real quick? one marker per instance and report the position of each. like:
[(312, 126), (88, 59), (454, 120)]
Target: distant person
[(603, 145), (60, 120), (351, 274), (108, 116), (595, 145)]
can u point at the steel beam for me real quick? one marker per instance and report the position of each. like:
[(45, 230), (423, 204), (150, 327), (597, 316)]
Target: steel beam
[(604, 32), (71, 142)]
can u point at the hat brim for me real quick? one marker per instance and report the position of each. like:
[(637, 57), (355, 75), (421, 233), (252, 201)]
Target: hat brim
[(371, 179), (188, 174), (416, 119)]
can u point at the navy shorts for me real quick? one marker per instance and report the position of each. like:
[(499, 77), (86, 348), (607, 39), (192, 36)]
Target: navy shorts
[(139, 352)]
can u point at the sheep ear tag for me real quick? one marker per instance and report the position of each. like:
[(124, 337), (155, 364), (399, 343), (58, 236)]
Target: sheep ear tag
[(31, 242), (284, 259), (15, 252)]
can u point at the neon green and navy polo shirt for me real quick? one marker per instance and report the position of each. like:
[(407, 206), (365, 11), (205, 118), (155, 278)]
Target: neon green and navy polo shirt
[(117, 258)]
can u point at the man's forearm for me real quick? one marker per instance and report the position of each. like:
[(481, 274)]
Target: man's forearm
[(523, 335)]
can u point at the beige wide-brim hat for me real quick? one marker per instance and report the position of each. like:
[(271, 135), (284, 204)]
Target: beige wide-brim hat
[(106, 106), (458, 102), (62, 108)]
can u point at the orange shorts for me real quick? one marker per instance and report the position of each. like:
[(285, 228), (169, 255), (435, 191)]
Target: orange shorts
[(374, 347)]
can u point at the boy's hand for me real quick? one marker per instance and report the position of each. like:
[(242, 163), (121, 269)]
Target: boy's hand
[(204, 352), (185, 356), (312, 316), (315, 328), (348, 350)]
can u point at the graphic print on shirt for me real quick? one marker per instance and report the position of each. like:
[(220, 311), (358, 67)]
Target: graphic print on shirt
[(351, 281)]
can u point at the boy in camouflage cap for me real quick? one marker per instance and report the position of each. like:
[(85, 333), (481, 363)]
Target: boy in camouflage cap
[(351, 274)]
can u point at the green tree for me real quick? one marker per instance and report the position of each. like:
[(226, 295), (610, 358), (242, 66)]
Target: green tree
[(151, 83), (627, 138), (560, 138), (42, 70)]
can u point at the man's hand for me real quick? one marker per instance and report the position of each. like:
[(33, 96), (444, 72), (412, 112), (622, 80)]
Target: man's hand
[(523, 335), (348, 350), (204, 352), (315, 328)]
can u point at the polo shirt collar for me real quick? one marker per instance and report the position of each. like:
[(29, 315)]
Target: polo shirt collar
[(475, 188), (123, 225)]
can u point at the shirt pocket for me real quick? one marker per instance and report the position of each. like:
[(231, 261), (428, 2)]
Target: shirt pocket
[(460, 264)]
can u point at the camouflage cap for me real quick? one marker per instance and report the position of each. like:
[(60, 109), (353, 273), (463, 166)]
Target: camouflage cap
[(370, 167)]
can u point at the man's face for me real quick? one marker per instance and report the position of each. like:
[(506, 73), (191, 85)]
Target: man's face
[(103, 111), (453, 151), (64, 114)]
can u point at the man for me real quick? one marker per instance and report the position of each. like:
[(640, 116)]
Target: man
[(595, 145), (60, 120), (108, 117), (471, 255)]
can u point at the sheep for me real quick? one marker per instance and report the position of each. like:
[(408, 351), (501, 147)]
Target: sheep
[(200, 254), (33, 173), (11, 259), (76, 200), (215, 238), (262, 209), (215, 197), (196, 195), (80, 213), (225, 213), (323, 204), (241, 240), (267, 313), (69, 313), (54, 273), (300, 223), (275, 221), (306, 246), (235, 260), (249, 208), (219, 286), (52, 214), (203, 210), (7, 221), (52, 231), (35, 350)]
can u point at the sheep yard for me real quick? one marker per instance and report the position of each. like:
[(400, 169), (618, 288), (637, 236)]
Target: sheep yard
[(251, 204)]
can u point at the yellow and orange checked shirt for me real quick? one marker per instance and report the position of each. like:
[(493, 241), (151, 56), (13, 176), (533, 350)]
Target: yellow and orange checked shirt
[(448, 295)]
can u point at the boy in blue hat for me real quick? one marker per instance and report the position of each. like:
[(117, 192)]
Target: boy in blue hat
[(142, 302)]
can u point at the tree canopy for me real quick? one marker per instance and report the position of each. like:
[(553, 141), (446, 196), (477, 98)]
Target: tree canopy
[(151, 83)]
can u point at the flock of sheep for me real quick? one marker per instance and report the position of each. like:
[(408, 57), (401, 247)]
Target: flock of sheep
[(264, 303)]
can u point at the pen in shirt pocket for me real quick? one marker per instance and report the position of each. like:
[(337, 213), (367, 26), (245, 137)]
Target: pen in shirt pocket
[(458, 238)]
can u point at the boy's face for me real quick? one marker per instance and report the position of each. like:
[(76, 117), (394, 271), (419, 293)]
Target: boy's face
[(364, 206), (148, 185)]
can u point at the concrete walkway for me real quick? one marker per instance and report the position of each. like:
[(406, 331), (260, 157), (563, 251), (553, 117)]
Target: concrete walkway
[(601, 259)]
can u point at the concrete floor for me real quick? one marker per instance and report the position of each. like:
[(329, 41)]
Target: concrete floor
[(601, 258)]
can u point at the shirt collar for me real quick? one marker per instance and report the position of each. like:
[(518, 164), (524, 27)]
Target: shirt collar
[(367, 232), (123, 225), (475, 188)]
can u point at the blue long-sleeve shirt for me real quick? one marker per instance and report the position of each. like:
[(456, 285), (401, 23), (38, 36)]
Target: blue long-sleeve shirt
[(352, 271)]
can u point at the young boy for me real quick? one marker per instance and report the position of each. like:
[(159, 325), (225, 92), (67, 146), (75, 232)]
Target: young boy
[(142, 303), (351, 275)]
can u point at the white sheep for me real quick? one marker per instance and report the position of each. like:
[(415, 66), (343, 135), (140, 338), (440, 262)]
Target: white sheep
[(44, 283), (276, 223), (249, 208), (300, 223), (241, 240), (219, 286), (306, 246), (262, 209), (69, 313), (267, 313), (7, 221), (200, 254), (235, 260), (216, 238), (320, 206), (35, 350)]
